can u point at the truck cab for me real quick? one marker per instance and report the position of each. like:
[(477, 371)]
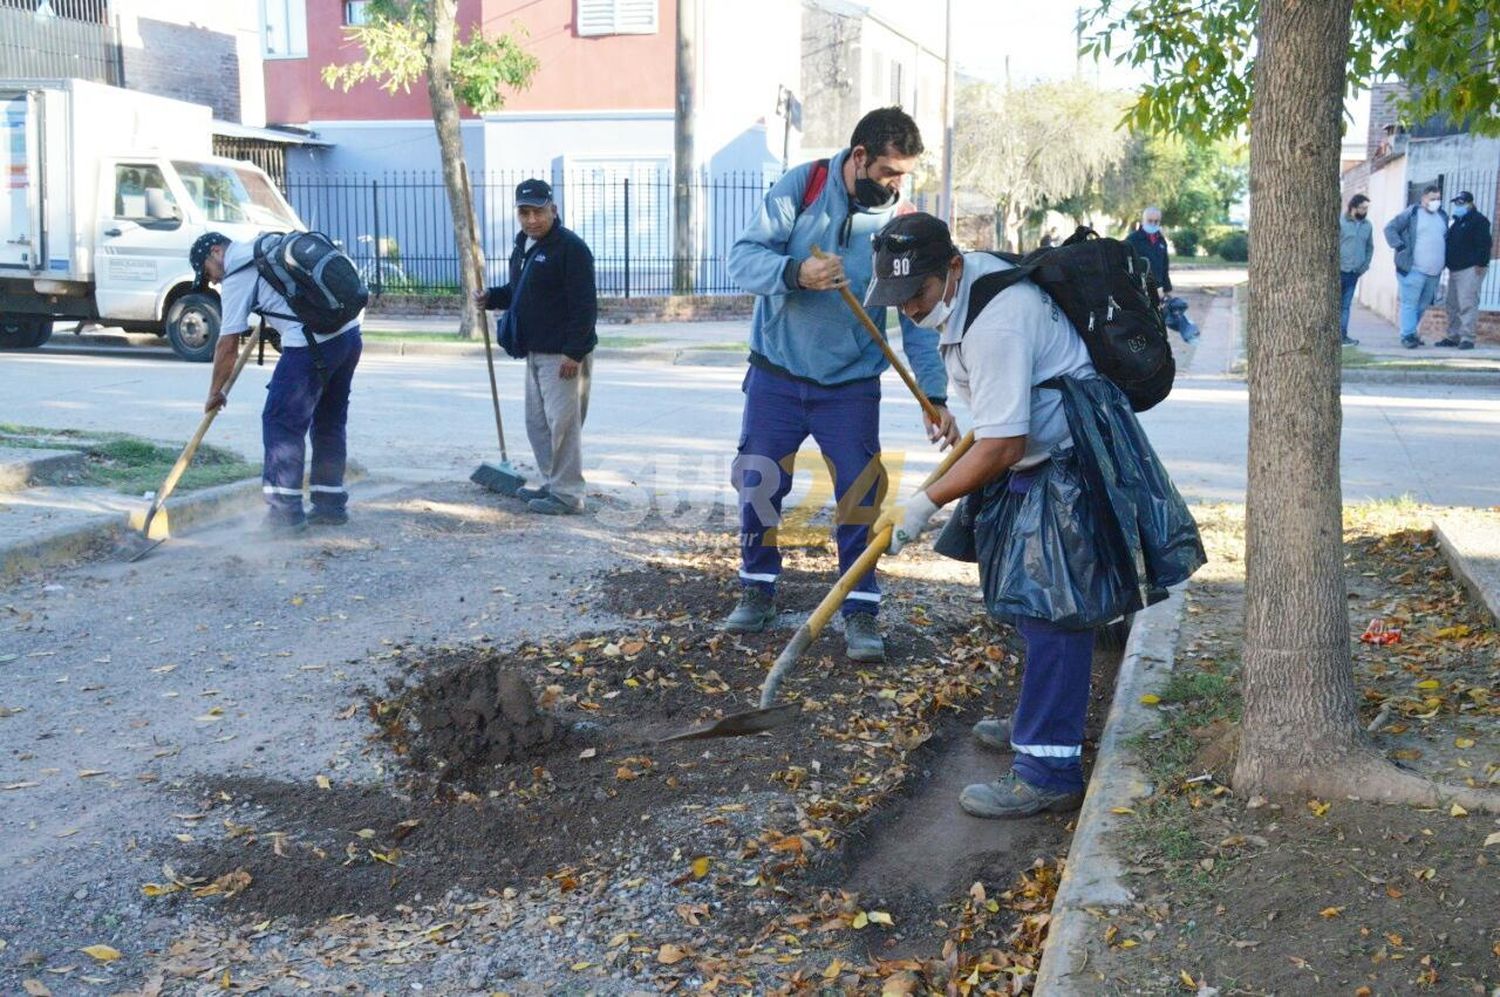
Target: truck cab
[(107, 190)]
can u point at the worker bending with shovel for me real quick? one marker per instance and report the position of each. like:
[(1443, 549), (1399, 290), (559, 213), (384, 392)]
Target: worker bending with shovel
[(814, 370), (1059, 553)]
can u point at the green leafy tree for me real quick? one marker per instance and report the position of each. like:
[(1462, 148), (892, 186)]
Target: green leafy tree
[(405, 41), (1283, 66), (1194, 181)]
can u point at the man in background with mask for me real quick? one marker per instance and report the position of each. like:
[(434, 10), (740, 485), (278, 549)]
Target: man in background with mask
[(1468, 258), (814, 370), (1149, 241), (1419, 235), (1356, 249)]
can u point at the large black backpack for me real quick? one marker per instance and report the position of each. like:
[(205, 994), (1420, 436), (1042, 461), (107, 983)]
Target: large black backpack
[(1106, 290), (319, 281)]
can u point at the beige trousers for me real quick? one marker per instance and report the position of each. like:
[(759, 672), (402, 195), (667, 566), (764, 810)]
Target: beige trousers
[(555, 410), (1463, 302)]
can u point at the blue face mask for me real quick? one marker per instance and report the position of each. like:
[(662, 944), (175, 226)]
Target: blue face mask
[(1459, 210), (1150, 228)]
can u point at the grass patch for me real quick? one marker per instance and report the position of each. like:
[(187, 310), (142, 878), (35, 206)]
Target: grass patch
[(1206, 263), (729, 346), (1354, 358), (130, 464), (397, 335), (628, 342)]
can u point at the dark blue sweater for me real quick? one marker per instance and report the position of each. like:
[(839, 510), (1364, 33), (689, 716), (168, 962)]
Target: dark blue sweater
[(1155, 254), (551, 301)]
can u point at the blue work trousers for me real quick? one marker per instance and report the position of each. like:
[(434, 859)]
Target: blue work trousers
[(1047, 728), (780, 413), (297, 401)]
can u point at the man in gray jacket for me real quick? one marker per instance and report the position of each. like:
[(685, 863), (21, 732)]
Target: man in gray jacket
[(1419, 235), (1356, 249)]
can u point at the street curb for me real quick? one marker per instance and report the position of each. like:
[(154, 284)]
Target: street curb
[(193, 509), (1092, 876), (19, 475), (1461, 558), (1485, 378)]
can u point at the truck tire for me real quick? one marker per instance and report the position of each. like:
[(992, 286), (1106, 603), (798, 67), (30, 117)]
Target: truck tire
[(193, 327), (23, 332)]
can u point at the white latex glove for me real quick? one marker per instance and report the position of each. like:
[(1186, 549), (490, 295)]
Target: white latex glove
[(919, 512)]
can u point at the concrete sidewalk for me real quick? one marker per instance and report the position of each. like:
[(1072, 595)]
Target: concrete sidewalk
[(1380, 339)]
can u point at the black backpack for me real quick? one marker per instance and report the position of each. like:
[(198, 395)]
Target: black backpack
[(318, 280), (1106, 290)]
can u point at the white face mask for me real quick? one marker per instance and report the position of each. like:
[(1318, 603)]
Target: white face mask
[(940, 311), (1430, 205)]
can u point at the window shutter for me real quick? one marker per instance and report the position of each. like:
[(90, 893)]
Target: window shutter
[(616, 17)]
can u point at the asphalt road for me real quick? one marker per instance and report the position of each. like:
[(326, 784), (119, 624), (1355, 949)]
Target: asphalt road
[(673, 428)]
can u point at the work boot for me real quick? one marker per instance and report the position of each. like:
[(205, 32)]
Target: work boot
[(1410, 342), (1447, 342), (551, 505), (994, 732), (531, 494), (755, 611), (862, 640), (1466, 345), (1012, 796), (1346, 341), (284, 526), (327, 517)]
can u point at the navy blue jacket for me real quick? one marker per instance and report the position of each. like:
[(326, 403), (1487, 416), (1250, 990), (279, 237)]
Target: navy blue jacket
[(550, 302), (1156, 255), (1469, 242)]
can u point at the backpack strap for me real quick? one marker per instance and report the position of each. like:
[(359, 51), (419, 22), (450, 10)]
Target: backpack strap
[(987, 288), (816, 181)]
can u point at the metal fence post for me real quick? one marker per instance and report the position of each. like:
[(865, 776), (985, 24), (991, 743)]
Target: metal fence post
[(375, 211), (626, 235)]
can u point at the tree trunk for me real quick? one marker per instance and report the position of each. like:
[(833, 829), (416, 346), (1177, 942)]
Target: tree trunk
[(1300, 719), (684, 167), (450, 144)]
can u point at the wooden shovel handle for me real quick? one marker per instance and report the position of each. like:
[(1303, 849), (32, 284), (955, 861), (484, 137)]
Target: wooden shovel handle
[(880, 538), (928, 409), (186, 457)]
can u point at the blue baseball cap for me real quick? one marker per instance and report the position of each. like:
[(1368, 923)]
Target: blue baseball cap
[(533, 193)]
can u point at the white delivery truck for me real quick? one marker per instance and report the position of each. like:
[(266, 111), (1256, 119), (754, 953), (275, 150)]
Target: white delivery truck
[(106, 189)]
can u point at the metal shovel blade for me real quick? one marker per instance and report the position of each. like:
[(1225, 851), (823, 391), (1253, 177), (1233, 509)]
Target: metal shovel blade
[(739, 724)]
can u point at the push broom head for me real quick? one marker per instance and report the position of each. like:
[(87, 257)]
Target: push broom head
[(500, 478)]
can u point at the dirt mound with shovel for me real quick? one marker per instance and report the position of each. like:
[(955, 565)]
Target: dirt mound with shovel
[(476, 716)]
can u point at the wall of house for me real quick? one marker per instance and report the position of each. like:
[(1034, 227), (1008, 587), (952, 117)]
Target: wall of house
[(1387, 193), (200, 52)]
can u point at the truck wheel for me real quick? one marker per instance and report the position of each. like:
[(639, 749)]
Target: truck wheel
[(22, 332), (193, 327)]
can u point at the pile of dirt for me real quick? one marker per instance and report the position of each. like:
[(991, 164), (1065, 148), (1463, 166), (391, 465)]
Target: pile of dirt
[(476, 716)]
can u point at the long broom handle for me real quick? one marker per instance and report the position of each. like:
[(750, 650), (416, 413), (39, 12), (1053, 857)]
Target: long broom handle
[(928, 409), (880, 538), (484, 324), (186, 457)]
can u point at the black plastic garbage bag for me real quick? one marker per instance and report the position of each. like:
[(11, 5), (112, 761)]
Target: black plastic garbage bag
[(1096, 532)]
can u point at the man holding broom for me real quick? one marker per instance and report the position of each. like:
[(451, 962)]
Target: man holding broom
[(814, 370)]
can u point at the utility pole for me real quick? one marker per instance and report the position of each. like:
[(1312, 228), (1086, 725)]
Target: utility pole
[(685, 227), (948, 212)]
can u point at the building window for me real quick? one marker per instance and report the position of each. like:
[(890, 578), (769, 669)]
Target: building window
[(617, 17), (356, 12), (896, 82), (284, 28)]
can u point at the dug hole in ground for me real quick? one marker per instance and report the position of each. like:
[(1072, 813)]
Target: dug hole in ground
[(419, 752)]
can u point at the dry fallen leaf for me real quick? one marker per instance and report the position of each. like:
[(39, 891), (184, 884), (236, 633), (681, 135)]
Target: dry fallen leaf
[(103, 953), (1493, 839), (670, 955), (1457, 811), (36, 988), (1330, 912), (700, 866), (323, 782), (881, 917), (1150, 699)]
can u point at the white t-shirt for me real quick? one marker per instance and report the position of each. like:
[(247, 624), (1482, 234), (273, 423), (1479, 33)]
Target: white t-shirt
[(1020, 340), (247, 291)]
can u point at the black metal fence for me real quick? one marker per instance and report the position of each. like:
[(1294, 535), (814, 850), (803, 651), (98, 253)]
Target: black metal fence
[(398, 225), (59, 38), (1485, 186)]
